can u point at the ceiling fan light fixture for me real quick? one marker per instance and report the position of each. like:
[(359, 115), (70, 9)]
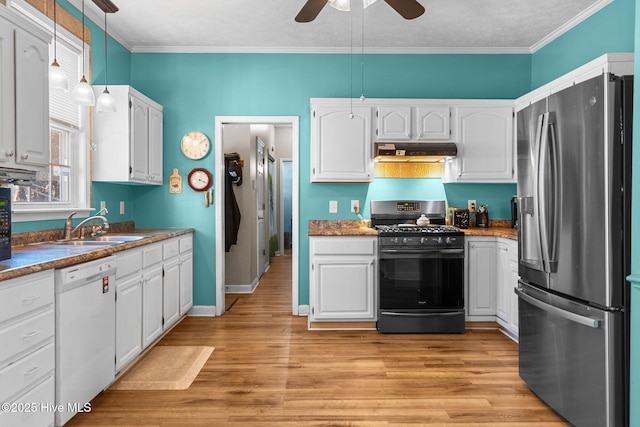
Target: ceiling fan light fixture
[(342, 5)]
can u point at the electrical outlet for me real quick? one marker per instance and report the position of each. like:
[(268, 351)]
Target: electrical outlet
[(333, 206), (471, 205), (355, 206), (121, 207)]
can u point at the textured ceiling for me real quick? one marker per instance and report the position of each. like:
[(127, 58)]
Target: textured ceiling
[(476, 26)]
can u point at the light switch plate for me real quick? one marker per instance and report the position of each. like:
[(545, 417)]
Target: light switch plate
[(333, 206), (122, 207)]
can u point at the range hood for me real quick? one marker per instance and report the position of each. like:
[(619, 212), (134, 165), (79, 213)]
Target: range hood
[(17, 176), (414, 152)]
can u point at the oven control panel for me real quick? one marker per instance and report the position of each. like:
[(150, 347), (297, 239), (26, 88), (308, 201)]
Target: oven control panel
[(408, 206), (422, 241)]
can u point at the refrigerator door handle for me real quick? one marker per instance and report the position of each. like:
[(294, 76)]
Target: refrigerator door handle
[(573, 317), (547, 202)]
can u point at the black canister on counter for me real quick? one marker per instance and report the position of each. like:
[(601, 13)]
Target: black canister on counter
[(514, 212)]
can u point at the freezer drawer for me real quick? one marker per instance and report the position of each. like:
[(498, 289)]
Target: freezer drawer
[(572, 357)]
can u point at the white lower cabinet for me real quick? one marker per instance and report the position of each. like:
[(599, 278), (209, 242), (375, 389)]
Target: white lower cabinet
[(27, 354), (152, 293), (186, 273), (128, 307), (507, 313), (343, 278), (481, 278), (491, 276)]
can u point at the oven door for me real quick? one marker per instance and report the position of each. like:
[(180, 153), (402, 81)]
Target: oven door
[(421, 279)]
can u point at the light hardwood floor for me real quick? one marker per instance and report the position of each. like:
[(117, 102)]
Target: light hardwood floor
[(269, 370)]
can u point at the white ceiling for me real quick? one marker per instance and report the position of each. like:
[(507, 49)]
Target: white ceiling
[(447, 26)]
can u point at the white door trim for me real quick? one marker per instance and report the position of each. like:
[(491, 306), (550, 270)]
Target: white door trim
[(294, 121)]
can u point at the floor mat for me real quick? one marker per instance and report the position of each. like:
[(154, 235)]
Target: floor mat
[(165, 368)]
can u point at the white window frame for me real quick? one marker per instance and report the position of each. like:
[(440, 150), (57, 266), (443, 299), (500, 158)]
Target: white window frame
[(80, 200)]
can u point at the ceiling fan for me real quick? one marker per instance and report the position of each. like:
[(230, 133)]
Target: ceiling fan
[(408, 9)]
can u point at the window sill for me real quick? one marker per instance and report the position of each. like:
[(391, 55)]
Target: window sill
[(24, 215)]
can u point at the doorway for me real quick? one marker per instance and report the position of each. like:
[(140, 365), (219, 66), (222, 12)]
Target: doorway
[(219, 197)]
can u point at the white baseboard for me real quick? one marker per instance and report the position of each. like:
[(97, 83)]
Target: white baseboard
[(242, 289), (202, 310)]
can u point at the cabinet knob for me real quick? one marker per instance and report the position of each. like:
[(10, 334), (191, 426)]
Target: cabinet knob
[(25, 156), (9, 153)]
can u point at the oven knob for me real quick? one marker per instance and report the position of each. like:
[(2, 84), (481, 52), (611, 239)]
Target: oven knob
[(405, 240), (394, 240), (423, 240), (448, 240), (439, 240)]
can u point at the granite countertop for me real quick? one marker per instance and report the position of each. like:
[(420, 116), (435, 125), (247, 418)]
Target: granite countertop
[(318, 227), (31, 257)]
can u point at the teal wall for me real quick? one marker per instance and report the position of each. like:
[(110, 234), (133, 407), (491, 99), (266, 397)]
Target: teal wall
[(194, 88)]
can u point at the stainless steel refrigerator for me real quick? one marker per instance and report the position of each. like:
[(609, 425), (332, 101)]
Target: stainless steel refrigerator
[(574, 191)]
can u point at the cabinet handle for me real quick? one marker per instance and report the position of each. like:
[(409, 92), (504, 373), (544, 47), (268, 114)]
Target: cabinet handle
[(9, 153), (29, 300), (30, 334), (25, 156), (32, 371)]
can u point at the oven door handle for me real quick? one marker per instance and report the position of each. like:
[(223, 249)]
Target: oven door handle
[(419, 253), (395, 313)]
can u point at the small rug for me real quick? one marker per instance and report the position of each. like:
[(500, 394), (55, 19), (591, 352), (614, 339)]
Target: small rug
[(165, 368)]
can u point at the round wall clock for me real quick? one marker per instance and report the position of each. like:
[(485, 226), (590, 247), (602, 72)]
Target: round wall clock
[(195, 145), (199, 179)]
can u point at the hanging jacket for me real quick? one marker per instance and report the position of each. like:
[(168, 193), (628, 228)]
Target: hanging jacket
[(231, 209)]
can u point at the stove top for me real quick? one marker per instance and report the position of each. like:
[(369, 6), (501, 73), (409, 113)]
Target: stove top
[(406, 229)]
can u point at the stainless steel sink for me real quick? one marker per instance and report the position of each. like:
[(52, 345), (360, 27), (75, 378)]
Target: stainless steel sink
[(87, 242)]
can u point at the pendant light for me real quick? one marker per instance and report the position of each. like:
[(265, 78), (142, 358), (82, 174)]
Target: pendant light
[(83, 93), (57, 76), (106, 101)]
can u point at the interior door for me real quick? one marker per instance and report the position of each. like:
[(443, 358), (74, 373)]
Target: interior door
[(260, 184)]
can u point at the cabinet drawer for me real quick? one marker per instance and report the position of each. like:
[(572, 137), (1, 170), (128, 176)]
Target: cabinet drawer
[(26, 334), (343, 246), (26, 371), (24, 294), (170, 249), (128, 262), (151, 255), (32, 409), (186, 244)]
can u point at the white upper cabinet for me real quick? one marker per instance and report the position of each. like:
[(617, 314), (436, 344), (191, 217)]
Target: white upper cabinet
[(24, 93), (129, 141), (485, 145), (341, 143), (420, 121)]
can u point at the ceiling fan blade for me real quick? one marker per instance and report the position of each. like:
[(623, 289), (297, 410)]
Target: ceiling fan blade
[(409, 9), (310, 10)]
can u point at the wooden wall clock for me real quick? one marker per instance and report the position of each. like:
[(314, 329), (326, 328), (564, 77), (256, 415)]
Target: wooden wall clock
[(199, 179)]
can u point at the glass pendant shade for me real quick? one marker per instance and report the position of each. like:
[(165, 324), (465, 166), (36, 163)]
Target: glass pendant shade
[(57, 77), (367, 3), (83, 93), (106, 102)]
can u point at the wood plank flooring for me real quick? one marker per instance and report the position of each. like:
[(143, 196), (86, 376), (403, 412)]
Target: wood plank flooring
[(269, 370)]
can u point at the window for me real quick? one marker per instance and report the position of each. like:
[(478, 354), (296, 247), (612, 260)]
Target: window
[(64, 187)]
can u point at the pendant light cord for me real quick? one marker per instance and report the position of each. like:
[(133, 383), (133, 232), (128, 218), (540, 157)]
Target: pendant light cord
[(106, 57), (351, 64), (83, 40), (362, 60), (55, 32)]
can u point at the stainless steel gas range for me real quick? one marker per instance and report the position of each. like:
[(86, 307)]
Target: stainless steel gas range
[(421, 268)]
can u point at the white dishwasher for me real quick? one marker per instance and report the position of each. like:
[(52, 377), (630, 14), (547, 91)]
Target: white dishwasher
[(85, 334)]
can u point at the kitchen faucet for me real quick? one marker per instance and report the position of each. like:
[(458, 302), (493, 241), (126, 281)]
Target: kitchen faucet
[(68, 226)]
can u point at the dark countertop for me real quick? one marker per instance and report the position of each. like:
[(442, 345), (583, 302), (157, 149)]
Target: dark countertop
[(34, 257)]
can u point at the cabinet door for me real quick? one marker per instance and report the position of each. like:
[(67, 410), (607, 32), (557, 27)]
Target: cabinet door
[(151, 306), (481, 277), (504, 285), (32, 99), (128, 320), (186, 282), (171, 298), (343, 288), (486, 142), (7, 92), (393, 123), (155, 146), (433, 123), (341, 144), (139, 140)]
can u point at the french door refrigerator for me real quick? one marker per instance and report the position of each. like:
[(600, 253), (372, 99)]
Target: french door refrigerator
[(574, 190)]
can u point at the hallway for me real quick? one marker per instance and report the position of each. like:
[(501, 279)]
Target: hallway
[(269, 370)]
